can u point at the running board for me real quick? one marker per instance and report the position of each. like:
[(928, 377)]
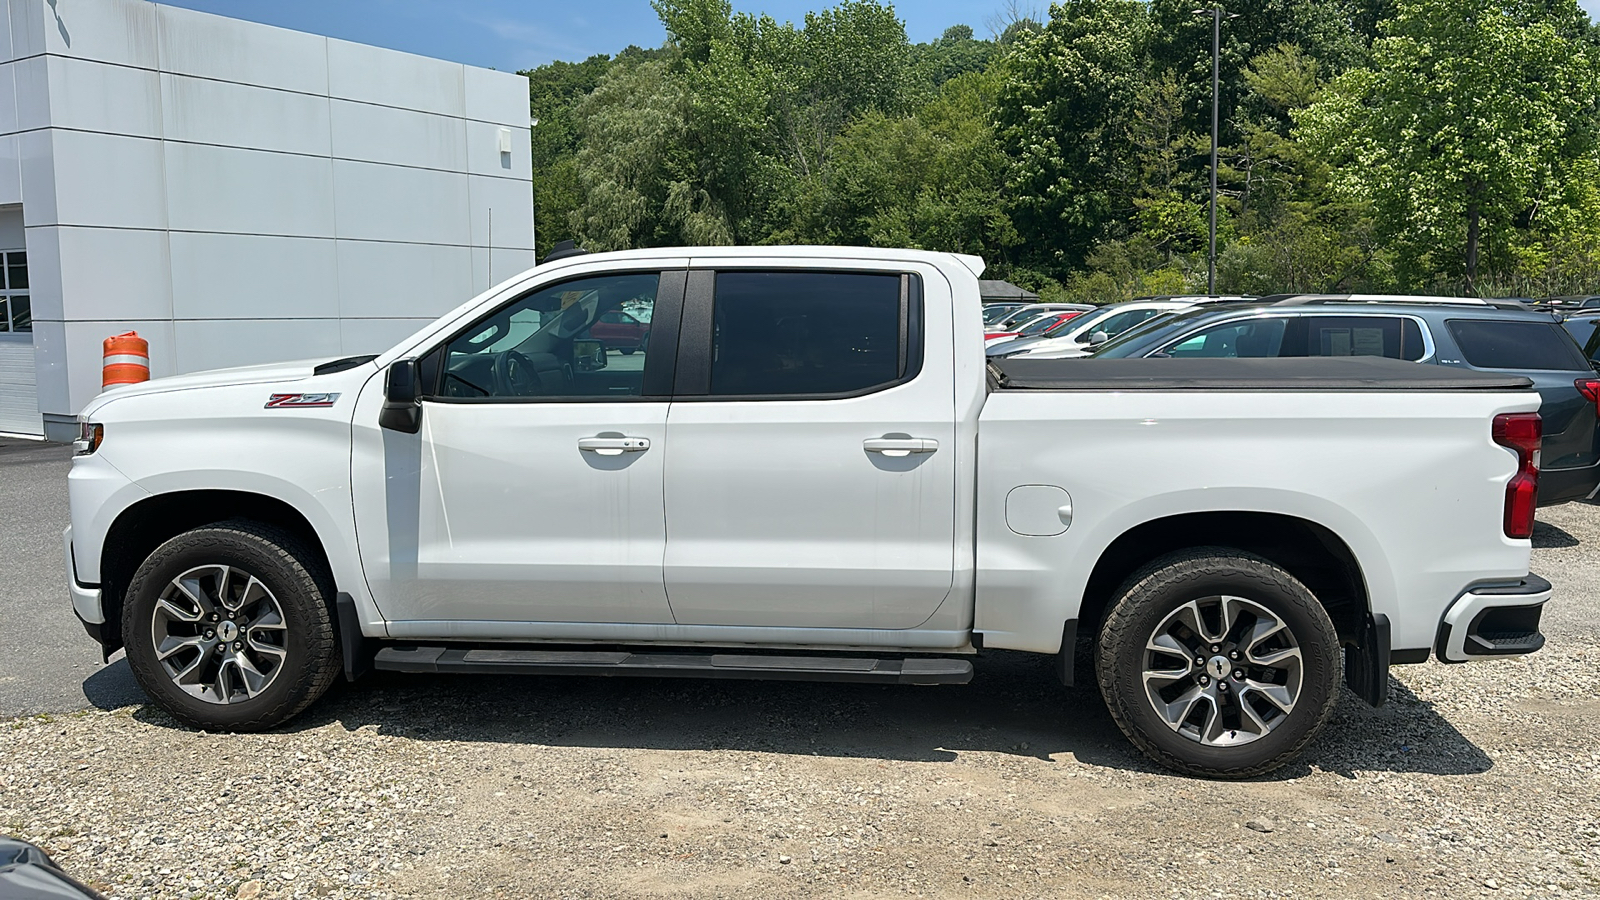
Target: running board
[(486, 661)]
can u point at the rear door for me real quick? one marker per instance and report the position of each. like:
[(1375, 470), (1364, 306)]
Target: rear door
[(811, 473)]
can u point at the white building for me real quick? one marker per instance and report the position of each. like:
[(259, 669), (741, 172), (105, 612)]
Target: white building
[(235, 192)]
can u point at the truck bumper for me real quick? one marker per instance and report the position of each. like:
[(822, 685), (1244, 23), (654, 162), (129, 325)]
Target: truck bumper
[(1487, 622), (85, 598)]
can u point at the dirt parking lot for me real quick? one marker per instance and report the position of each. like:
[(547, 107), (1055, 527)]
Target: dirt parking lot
[(1479, 779)]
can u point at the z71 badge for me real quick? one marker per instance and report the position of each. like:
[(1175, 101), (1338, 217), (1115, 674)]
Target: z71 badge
[(301, 401)]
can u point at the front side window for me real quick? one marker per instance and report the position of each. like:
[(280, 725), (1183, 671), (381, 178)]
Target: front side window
[(808, 333), (16, 312), (1252, 338), (587, 338)]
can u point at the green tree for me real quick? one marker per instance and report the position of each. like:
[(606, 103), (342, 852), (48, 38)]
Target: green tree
[(765, 102), (931, 180), (955, 53), (1469, 126), (1180, 43), (554, 92), (638, 180), (1064, 118)]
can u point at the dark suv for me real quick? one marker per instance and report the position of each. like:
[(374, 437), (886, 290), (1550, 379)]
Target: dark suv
[(1464, 333)]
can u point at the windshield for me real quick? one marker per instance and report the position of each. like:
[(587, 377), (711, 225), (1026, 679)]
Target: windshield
[(1042, 324), (1150, 331), (1084, 324), (1584, 330), (1022, 317), (994, 314)]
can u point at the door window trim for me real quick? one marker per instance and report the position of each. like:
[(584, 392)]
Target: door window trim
[(693, 377), (659, 360)]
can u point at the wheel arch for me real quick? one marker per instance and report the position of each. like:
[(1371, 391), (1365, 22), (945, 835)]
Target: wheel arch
[(1311, 552), (150, 522)]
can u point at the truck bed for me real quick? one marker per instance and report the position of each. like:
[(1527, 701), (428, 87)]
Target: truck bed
[(1320, 374)]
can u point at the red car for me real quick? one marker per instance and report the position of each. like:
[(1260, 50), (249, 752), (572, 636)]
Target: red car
[(618, 330)]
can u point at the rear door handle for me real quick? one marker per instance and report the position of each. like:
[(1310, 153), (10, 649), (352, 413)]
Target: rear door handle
[(900, 446), (613, 446)]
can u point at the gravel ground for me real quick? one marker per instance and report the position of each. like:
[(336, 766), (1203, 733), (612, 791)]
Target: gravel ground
[(1473, 780)]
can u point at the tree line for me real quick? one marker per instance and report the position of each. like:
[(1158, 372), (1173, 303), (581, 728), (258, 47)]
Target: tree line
[(1438, 146)]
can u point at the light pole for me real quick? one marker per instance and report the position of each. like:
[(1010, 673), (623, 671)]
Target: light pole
[(1216, 81)]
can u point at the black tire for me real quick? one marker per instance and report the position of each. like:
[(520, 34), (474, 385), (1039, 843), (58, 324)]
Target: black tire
[(1158, 591), (629, 351), (298, 585)]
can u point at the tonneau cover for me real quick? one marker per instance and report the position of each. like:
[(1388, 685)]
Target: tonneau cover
[(1344, 373)]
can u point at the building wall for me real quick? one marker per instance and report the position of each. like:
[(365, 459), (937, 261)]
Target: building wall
[(240, 193)]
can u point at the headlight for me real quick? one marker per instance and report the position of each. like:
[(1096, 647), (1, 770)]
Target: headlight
[(90, 434)]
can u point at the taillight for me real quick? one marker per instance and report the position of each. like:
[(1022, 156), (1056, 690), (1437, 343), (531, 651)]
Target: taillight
[(1590, 389), (1521, 432)]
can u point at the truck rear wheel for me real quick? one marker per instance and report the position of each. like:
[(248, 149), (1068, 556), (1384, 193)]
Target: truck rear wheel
[(1216, 662), (228, 627)]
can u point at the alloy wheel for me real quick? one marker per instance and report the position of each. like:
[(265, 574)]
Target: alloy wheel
[(1223, 671), (219, 634)]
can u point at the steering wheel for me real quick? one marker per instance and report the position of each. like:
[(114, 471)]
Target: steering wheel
[(514, 375)]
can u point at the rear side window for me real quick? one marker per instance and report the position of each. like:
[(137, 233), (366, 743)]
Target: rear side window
[(810, 333), (1386, 336), (1487, 344)]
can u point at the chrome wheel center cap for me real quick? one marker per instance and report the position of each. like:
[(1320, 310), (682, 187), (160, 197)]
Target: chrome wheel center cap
[(1219, 667), (227, 631)]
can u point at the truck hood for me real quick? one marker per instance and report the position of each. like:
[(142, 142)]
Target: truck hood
[(258, 374)]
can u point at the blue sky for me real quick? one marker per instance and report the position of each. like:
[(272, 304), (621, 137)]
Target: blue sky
[(519, 34)]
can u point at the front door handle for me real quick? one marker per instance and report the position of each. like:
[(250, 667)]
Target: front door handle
[(900, 446), (613, 446)]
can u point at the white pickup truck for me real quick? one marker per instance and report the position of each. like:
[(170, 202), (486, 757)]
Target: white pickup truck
[(794, 463)]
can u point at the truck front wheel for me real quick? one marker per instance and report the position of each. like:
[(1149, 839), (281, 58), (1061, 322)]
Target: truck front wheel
[(228, 628), (1217, 662)]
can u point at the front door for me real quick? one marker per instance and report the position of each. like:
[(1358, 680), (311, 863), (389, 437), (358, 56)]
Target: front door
[(811, 472), (532, 493)]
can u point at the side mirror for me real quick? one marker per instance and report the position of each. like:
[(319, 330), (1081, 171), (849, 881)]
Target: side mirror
[(1098, 338), (402, 410)]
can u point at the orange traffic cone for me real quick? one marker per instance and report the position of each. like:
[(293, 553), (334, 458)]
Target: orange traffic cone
[(126, 360)]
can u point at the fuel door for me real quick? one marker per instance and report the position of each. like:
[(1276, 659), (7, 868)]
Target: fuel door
[(1038, 510)]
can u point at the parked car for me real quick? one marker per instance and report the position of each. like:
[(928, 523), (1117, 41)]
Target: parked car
[(26, 873), (854, 496), (1080, 335), (994, 312), (1038, 327), (1569, 302), (1023, 314), (1440, 331), (619, 330), (1585, 330)]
